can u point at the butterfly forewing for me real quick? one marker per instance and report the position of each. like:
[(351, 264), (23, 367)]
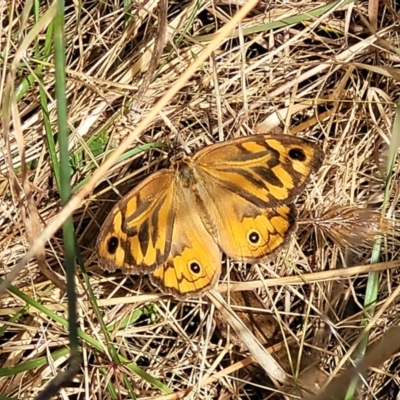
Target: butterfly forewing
[(267, 170), (138, 230)]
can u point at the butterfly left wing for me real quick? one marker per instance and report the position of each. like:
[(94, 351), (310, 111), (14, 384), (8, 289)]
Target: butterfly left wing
[(194, 264), (137, 234)]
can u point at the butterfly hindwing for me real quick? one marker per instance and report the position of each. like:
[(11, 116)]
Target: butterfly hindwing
[(194, 264), (244, 231)]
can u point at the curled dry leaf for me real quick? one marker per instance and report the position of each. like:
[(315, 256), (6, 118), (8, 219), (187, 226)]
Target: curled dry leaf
[(352, 227), (262, 325), (259, 353)]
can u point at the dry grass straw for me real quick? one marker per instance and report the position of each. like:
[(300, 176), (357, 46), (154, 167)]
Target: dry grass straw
[(326, 72)]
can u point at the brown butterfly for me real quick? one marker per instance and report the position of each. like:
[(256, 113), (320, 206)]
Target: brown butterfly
[(234, 197)]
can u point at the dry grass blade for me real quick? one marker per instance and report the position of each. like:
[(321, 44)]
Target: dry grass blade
[(380, 352), (9, 108), (313, 277), (159, 43)]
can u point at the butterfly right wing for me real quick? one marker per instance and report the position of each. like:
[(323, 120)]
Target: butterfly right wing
[(253, 182), (266, 170), (137, 234)]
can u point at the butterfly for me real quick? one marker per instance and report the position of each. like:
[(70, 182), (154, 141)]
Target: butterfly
[(235, 197)]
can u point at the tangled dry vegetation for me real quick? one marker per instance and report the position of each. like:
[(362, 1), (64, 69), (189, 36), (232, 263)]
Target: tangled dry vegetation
[(325, 70)]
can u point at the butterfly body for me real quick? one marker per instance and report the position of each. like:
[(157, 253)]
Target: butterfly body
[(234, 197)]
